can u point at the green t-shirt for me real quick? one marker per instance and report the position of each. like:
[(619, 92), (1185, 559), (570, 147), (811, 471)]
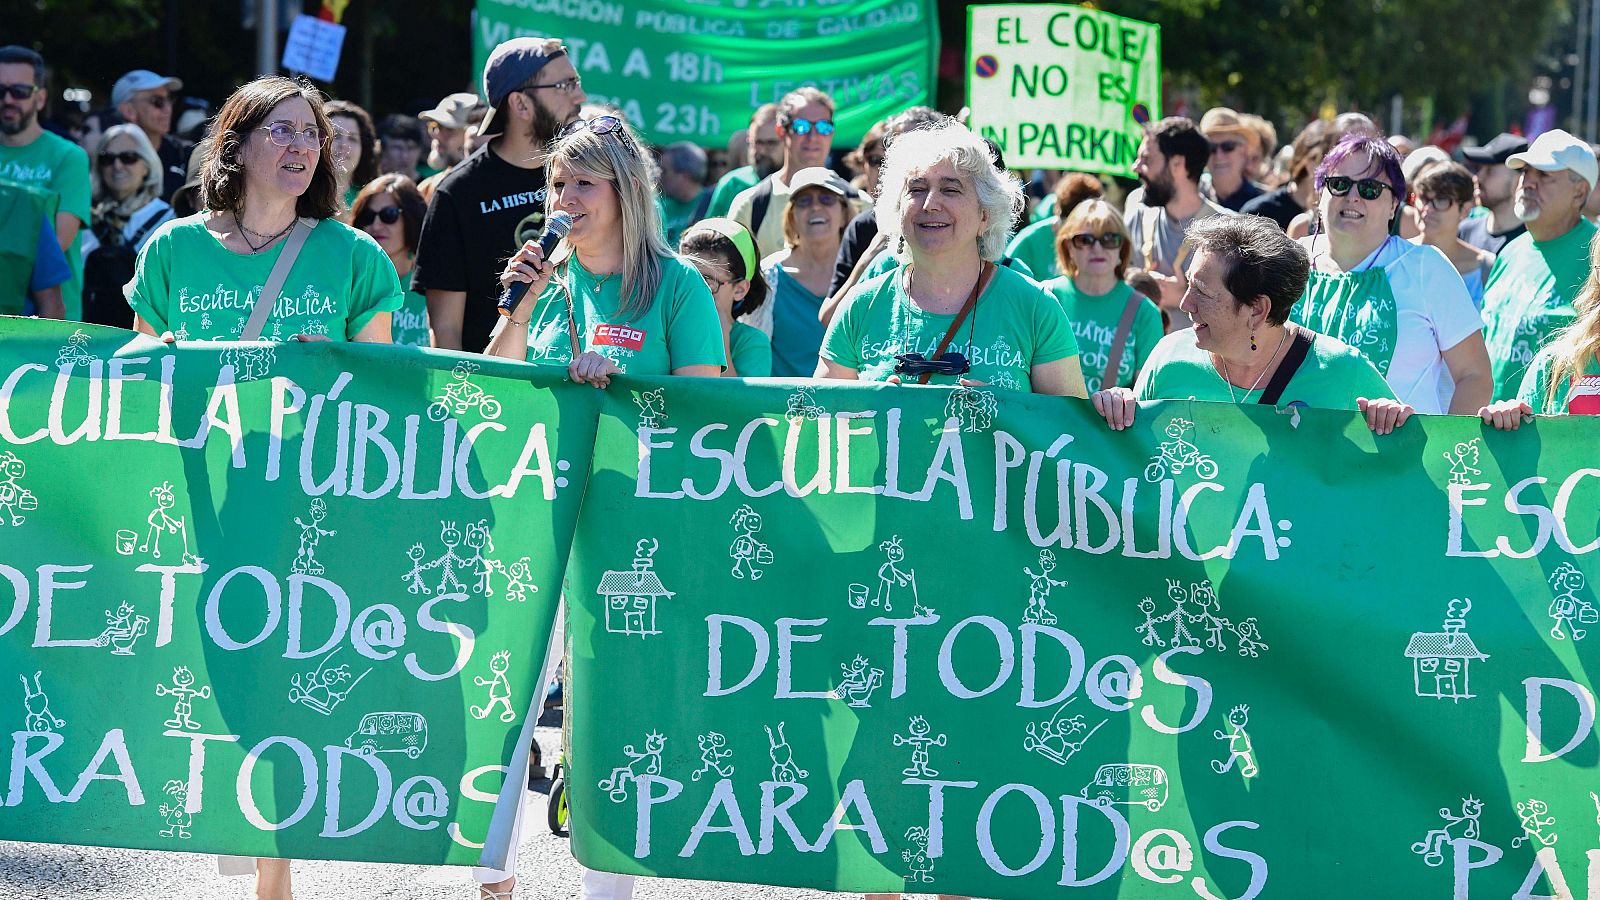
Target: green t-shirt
[(1584, 401), (1528, 296), (729, 186), (681, 328), (1045, 208), (1036, 246), (1332, 376), (410, 324), (186, 282), (678, 215), (1014, 327), (887, 261), (752, 351), (1094, 322), (53, 163)]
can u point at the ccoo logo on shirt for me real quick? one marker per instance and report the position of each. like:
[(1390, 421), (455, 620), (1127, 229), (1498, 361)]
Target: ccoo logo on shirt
[(619, 336)]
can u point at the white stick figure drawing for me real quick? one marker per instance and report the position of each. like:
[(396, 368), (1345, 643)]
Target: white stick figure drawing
[(652, 408), (919, 864), (519, 579), (1250, 642), (311, 533), (1207, 618), (250, 362), (1464, 461), (714, 756), (1535, 816), (450, 536), (183, 689), (974, 409), (749, 554), (14, 498), (324, 688), (161, 521), (1566, 607), (920, 739), (123, 630), (1039, 589), (1177, 454), (860, 680), (803, 405), (784, 769), (413, 578), (73, 351), (478, 542), (1148, 629), (176, 814), (1179, 616), (1239, 749), (39, 717), (645, 763), (461, 395), (499, 688), (890, 576), (1431, 847), (1052, 738)]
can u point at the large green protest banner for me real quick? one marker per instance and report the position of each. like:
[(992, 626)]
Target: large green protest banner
[(900, 638), (1062, 87), (273, 600), (687, 70)]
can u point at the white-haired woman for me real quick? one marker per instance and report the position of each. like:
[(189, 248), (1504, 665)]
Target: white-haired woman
[(126, 175), (949, 315)]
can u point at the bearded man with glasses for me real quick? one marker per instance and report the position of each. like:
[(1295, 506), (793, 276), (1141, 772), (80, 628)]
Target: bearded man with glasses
[(146, 99)]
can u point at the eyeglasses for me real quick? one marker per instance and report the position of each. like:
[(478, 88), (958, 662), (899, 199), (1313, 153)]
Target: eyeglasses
[(803, 127), (1225, 147), (1438, 203), (388, 215), (917, 365), (1367, 188), (814, 198), (565, 85), (282, 134), (601, 125), (156, 101), (126, 157), (1111, 240), (715, 283), (19, 91)]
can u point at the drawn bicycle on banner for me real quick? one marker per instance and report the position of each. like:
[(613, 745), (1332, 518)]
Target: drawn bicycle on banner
[(462, 395), (1179, 454)]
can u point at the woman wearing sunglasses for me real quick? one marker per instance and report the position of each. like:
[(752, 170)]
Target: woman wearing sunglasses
[(800, 274), (1115, 326), (1443, 195), (948, 314), (266, 175), (127, 183), (390, 209), (724, 252), (1402, 304)]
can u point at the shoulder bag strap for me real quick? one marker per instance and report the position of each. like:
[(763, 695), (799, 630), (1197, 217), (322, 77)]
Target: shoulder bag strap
[(1119, 343), (759, 202), (268, 297), (1298, 348), (966, 309)]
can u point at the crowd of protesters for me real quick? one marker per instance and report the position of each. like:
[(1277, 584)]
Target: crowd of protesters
[(1337, 272)]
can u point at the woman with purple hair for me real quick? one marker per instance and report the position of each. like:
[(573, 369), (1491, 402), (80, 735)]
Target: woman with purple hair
[(1402, 304)]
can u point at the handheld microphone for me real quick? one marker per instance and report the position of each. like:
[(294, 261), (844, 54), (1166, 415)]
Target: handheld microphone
[(555, 228)]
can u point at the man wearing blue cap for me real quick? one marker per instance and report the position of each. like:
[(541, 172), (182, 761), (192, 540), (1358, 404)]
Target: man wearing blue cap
[(494, 200)]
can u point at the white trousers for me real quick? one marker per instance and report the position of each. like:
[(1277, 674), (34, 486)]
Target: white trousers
[(606, 886)]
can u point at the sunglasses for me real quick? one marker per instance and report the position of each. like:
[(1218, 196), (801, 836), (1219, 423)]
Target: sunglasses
[(803, 127), (1110, 240), (19, 91), (282, 134), (156, 101), (1366, 188), (1225, 146), (389, 215), (1439, 203), (917, 365), (815, 198), (601, 125), (126, 157)]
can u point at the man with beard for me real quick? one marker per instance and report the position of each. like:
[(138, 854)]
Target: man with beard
[(494, 200), (145, 99), (1171, 158), (1530, 291), (447, 133), (766, 157), (1497, 190)]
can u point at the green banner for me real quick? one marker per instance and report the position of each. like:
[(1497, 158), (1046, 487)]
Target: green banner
[(273, 600), (1062, 87), (898, 638), (687, 70)]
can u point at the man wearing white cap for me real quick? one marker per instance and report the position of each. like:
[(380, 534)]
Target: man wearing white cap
[(145, 99), (1529, 292), (447, 135)]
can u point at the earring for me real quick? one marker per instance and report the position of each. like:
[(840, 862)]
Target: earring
[(1252, 342)]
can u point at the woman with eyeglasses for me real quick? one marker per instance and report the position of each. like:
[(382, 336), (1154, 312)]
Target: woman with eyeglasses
[(800, 273), (1564, 376), (948, 314), (127, 182), (390, 209), (1401, 304), (1443, 195), (354, 147), (266, 173), (724, 252), (1116, 327)]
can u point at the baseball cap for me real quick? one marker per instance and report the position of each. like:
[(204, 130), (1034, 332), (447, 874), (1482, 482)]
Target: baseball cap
[(818, 176), (1556, 150), (1497, 151), (141, 80), (452, 111), (512, 64), (1222, 120)]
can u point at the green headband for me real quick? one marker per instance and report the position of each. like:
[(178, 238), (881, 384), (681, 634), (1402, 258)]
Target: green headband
[(739, 236)]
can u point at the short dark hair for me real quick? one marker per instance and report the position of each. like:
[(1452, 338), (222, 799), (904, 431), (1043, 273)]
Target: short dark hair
[(399, 125), (1260, 260), (1449, 180), (222, 175), (713, 246), (1180, 137), (367, 168), (11, 54), (686, 159), (405, 192)]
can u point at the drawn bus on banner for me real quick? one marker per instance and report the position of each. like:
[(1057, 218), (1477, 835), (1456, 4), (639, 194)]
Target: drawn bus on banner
[(1128, 784), (390, 732)]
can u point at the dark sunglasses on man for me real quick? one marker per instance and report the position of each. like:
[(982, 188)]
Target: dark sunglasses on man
[(1111, 240), (803, 127), (126, 157), (915, 365), (19, 91), (1366, 188), (388, 215)]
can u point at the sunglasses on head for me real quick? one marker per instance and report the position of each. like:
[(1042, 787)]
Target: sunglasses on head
[(389, 215), (916, 365), (1366, 188), (18, 91), (126, 157), (601, 125), (1110, 240), (803, 127)]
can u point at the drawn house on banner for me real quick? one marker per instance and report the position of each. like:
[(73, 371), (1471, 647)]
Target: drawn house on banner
[(630, 596), (1440, 660)]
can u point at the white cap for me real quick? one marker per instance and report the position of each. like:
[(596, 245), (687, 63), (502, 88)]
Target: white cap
[(141, 80), (1556, 150)]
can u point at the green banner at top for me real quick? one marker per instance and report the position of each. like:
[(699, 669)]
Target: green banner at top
[(692, 70), (1062, 87)]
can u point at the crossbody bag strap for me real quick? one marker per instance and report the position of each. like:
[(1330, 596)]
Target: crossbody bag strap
[(1286, 368), (268, 298), (966, 309), (1119, 343)]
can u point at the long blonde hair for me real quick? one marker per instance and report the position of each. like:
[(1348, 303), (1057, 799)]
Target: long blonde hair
[(618, 157), (1573, 347)]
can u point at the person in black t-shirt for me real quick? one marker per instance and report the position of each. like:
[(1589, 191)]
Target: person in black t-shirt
[(1291, 199), (494, 200), (1497, 190)]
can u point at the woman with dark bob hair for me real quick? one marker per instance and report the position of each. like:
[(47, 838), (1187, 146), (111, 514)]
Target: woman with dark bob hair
[(267, 187), (390, 209)]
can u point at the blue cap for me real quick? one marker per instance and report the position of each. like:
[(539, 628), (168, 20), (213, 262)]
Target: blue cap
[(511, 65)]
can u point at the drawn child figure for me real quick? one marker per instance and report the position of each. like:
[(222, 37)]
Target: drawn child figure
[(748, 552), (74, 352), (39, 717), (646, 763), (652, 408), (499, 688), (1463, 462), (183, 689), (784, 768), (1205, 597), (919, 864), (1565, 606), (1535, 819), (1180, 617), (1250, 642), (160, 520), (714, 754), (920, 739), (1039, 590), (1239, 749), (1148, 629), (478, 542), (311, 533), (450, 536), (860, 680), (14, 498), (891, 576), (413, 578), (176, 814), (519, 580), (1431, 847)]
